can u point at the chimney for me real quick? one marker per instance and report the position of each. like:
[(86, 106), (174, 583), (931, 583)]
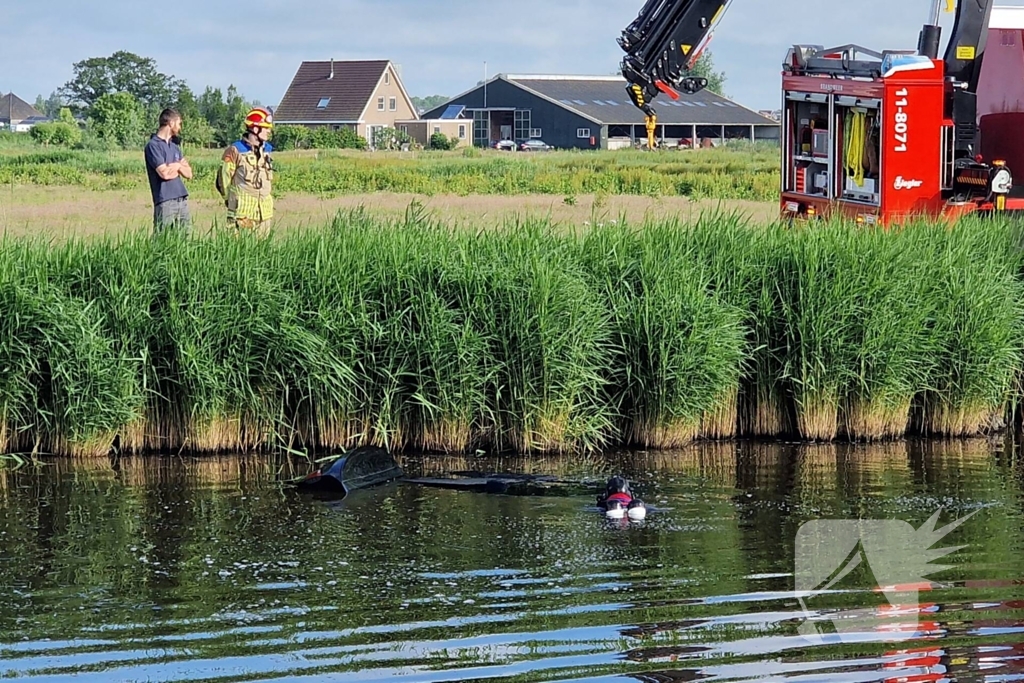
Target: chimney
[(331, 77)]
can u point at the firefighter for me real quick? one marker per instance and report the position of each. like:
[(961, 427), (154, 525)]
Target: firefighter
[(245, 176)]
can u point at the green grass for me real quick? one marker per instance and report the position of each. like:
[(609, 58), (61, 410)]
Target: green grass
[(738, 172), (418, 336)]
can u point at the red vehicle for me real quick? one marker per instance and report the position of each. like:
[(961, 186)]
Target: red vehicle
[(874, 136)]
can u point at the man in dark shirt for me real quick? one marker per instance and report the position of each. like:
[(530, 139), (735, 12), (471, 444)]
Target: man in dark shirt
[(166, 167)]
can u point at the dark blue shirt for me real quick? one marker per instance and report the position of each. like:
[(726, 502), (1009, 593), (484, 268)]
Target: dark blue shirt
[(159, 152)]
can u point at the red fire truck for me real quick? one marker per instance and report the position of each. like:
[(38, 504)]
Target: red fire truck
[(878, 137)]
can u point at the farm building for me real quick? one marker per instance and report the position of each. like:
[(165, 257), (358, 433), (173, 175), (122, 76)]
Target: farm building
[(590, 112), (361, 95), (450, 122), (18, 115)]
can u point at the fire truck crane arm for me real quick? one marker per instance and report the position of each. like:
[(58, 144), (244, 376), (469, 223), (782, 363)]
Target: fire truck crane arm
[(662, 46)]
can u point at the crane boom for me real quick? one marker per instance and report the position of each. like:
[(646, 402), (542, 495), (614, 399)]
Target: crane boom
[(663, 43), (662, 46)]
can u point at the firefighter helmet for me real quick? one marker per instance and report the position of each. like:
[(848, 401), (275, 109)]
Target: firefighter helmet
[(259, 118)]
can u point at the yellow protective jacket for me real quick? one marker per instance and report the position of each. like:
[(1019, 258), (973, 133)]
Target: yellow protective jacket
[(244, 181)]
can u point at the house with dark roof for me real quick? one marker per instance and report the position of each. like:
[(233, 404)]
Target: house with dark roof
[(594, 112), (17, 114), (361, 95)]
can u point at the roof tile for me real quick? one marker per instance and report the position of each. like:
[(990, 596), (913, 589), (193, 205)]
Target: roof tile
[(579, 93), (349, 91)]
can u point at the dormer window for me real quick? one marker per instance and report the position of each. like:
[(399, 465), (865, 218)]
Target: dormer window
[(324, 101)]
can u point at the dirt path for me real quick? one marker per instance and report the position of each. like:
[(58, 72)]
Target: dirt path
[(56, 212)]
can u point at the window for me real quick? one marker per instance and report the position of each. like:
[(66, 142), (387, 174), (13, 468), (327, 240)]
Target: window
[(324, 101), (522, 124), (536, 133), (462, 131), (380, 104), (437, 129), (404, 129), (393, 104), (583, 132), (387, 78), (481, 128)]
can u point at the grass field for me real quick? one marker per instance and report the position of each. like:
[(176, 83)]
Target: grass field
[(416, 335), (73, 211), (62, 193), (737, 172)]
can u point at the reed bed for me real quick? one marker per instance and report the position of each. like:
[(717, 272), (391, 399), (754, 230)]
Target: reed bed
[(419, 337)]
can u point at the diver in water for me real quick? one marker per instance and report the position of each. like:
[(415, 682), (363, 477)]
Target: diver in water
[(618, 501)]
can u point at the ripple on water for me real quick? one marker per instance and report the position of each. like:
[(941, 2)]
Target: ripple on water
[(166, 575)]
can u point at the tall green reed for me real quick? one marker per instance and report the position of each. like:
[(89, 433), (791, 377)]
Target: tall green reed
[(417, 336)]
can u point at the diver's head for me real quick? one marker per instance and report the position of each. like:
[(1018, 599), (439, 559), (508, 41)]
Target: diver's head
[(617, 485)]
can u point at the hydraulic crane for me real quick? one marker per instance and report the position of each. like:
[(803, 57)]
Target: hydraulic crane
[(662, 46), (876, 136)]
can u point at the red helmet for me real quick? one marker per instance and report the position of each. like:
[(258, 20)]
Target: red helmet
[(259, 118)]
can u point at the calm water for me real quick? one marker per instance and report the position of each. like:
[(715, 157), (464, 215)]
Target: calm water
[(207, 570)]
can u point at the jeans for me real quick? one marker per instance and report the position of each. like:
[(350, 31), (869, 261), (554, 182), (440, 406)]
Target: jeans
[(172, 214)]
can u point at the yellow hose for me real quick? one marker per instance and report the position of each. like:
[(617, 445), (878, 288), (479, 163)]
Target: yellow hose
[(856, 138)]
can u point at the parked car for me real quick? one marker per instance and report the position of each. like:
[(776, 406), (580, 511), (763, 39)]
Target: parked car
[(534, 146), (504, 145)]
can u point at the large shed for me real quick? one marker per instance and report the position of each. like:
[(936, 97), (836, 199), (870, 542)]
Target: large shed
[(591, 112)]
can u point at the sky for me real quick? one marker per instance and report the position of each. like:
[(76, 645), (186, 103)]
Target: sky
[(440, 46)]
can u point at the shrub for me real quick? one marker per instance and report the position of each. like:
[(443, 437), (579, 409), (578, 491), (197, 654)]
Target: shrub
[(346, 138), (196, 131), (291, 137), (390, 139), (349, 139), (443, 142), (58, 133)]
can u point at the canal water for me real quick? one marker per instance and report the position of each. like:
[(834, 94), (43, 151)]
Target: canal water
[(181, 569)]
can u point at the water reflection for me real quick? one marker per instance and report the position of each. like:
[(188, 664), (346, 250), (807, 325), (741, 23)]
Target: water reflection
[(207, 569)]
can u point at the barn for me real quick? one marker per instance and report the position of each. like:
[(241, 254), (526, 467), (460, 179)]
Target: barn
[(594, 112)]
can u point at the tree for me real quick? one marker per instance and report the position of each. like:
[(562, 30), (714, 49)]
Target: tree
[(195, 129), (118, 118), (705, 68), (122, 72), (49, 107), (423, 104), (65, 116), (225, 112), (196, 132)]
